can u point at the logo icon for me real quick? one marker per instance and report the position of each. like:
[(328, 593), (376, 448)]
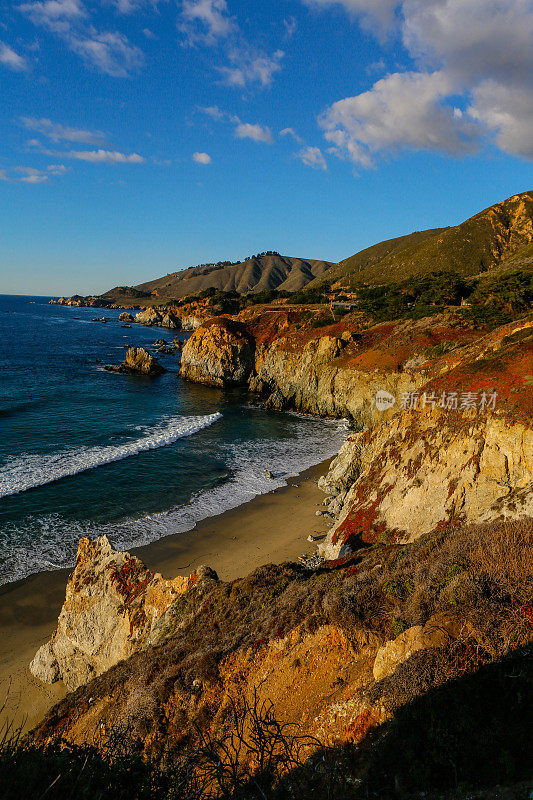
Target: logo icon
[(384, 400)]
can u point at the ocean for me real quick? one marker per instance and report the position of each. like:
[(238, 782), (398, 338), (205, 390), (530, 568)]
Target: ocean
[(85, 452)]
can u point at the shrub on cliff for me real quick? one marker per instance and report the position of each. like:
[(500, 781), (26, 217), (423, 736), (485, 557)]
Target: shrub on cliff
[(62, 771), (260, 758), (493, 300)]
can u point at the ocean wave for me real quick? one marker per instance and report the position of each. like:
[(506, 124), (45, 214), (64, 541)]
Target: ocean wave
[(50, 542), (18, 408), (29, 471)]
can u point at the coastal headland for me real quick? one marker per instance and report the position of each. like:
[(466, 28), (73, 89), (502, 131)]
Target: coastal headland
[(400, 648)]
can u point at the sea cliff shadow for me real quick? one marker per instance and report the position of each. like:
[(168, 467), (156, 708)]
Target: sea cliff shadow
[(470, 737)]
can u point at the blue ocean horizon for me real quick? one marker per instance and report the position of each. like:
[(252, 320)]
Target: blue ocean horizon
[(85, 452)]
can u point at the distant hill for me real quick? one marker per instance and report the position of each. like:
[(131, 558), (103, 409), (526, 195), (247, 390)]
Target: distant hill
[(497, 239), (500, 237), (268, 271)]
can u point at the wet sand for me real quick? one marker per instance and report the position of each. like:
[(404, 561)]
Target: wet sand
[(271, 528)]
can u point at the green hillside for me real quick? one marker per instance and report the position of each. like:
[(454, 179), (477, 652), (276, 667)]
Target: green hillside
[(499, 236), (364, 262)]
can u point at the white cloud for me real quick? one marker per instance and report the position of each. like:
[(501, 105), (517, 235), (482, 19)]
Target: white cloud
[(212, 111), (12, 60), (201, 158), (480, 51), (56, 15), (58, 133), (126, 6), (243, 130), (291, 26), (292, 133), (104, 157), (248, 67), (31, 174), (403, 110), (130, 6), (508, 113), (472, 39), (111, 53), (57, 169), (313, 157), (206, 21), (256, 133), (99, 156), (380, 11), (486, 49)]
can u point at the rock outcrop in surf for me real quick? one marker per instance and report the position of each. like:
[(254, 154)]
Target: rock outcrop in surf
[(138, 361)]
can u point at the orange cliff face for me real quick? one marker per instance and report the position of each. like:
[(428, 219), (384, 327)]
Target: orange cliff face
[(426, 580), (337, 651), (335, 369), (454, 446), (219, 353)]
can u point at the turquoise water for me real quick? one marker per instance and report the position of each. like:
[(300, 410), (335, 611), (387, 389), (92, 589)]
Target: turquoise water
[(86, 452)]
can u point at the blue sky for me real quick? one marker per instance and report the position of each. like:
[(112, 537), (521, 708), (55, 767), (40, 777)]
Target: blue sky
[(142, 136)]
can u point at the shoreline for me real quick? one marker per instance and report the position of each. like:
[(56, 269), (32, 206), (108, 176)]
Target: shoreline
[(270, 528)]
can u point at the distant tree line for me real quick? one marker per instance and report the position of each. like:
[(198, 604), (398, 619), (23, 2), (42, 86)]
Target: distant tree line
[(489, 299), (221, 264)]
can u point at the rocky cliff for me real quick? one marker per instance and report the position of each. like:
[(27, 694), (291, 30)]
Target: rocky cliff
[(455, 442), (138, 361), (396, 633), (219, 353), (424, 471), (461, 451), (112, 605), (402, 639), (328, 370)]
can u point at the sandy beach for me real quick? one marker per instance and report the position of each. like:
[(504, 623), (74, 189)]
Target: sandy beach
[(272, 528)]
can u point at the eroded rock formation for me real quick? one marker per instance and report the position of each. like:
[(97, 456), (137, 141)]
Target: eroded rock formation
[(112, 605), (337, 651), (158, 318), (219, 353), (423, 471), (138, 361), (430, 466)]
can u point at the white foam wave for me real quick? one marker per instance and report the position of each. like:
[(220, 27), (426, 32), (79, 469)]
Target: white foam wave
[(31, 470), (51, 542)]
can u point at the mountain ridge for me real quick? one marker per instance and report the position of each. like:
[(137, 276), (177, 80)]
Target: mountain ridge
[(491, 239), (253, 275), (498, 238)]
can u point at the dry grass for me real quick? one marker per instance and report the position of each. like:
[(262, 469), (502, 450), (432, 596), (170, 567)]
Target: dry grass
[(501, 555), (477, 581)]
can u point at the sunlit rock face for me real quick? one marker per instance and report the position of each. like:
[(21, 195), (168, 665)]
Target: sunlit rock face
[(219, 353), (112, 605)]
